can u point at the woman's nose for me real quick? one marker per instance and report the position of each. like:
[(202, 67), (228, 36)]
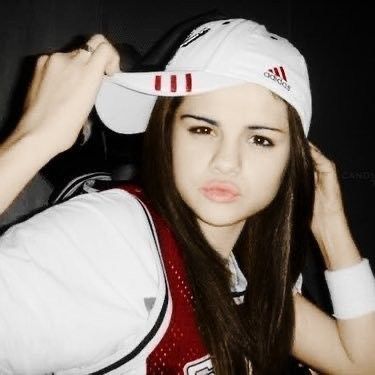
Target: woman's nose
[(227, 158)]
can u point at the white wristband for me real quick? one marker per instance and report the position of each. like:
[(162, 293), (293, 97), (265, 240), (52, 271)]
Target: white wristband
[(352, 290)]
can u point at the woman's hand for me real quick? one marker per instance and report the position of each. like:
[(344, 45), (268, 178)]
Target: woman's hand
[(329, 224), (63, 92), (60, 98), (328, 199)]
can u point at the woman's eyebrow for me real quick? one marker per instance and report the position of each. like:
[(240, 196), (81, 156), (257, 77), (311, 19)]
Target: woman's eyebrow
[(215, 123), (200, 118), (257, 127)]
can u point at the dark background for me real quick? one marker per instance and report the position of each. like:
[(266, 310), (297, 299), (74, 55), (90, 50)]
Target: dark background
[(335, 38)]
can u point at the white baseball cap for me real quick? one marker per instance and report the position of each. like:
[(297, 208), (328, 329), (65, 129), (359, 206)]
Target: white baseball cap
[(215, 55)]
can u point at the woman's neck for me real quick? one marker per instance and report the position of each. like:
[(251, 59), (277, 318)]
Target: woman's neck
[(222, 238)]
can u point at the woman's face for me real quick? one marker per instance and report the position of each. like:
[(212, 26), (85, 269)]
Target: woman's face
[(227, 161)]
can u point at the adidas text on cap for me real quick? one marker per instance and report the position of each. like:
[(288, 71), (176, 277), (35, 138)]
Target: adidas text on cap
[(215, 55)]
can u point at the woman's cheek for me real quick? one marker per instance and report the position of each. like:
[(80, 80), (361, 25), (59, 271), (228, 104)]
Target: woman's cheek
[(265, 177)]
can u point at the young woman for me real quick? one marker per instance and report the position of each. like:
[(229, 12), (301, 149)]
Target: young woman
[(196, 271)]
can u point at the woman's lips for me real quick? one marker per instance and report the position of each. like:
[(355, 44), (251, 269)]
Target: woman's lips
[(220, 191)]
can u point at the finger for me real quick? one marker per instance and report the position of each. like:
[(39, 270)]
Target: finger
[(316, 177), (322, 165), (106, 51), (36, 80), (314, 147), (316, 153), (318, 156), (87, 48), (85, 52), (106, 57), (81, 55), (97, 39)]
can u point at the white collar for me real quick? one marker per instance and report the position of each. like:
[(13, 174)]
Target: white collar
[(238, 280)]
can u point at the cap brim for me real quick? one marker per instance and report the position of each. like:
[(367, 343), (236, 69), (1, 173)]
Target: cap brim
[(125, 100), (123, 110)]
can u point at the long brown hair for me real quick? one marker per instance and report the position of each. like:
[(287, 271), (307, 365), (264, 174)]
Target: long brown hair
[(270, 252)]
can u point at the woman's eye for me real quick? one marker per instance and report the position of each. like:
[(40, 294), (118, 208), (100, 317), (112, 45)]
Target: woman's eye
[(261, 141), (204, 130)]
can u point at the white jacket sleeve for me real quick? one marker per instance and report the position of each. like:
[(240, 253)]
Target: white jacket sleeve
[(73, 283)]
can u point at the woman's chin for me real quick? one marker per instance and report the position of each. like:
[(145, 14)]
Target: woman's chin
[(221, 219)]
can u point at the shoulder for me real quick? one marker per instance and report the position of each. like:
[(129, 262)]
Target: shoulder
[(105, 229), (113, 203), (89, 262), (82, 214)]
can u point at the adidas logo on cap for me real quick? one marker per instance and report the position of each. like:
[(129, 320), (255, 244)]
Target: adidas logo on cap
[(278, 75)]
